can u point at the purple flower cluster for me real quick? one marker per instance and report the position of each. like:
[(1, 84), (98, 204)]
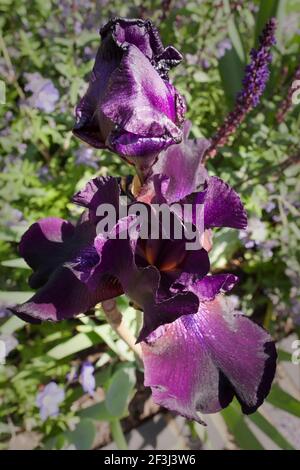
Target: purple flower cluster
[(254, 83), (257, 72), (198, 352)]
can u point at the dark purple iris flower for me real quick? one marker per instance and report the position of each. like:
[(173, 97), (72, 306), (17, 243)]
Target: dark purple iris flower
[(197, 353), (74, 269), (130, 106), (201, 361)]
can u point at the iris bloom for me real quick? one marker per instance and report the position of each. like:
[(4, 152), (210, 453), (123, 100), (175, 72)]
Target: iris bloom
[(130, 106), (198, 353), (74, 269)]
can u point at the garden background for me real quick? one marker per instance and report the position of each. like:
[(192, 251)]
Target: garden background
[(47, 51)]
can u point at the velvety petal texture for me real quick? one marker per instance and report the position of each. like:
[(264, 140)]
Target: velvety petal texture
[(199, 362), (222, 205), (77, 267), (61, 255), (130, 107), (148, 283)]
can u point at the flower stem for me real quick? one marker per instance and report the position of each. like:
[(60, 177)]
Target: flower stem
[(114, 318)]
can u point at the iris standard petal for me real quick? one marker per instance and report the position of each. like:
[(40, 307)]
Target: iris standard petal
[(223, 206), (138, 100)]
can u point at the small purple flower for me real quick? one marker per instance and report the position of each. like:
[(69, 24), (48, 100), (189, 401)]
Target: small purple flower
[(4, 312), (205, 64), (130, 106), (9, 342), (44, 173), (86, 156), (87, 378), (222, 47), (49, 399), (44, 94), (269, 207)]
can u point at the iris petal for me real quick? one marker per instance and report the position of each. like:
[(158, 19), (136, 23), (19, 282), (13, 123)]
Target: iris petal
[(199, 362)]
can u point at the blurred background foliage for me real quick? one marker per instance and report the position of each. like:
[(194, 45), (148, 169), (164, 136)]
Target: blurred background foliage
[(47, 50)]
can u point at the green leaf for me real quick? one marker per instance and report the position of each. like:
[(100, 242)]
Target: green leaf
[(15, 263), (14, 297), (11, 325), (284, 355), (231, 71), (284, 401), (83, 436), (237, 426), (263, 424), (118, 393), (236, 39), (74, 345), (96, 412), (267, 9)]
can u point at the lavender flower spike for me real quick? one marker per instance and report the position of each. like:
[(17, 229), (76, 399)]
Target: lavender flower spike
[(254, 83)]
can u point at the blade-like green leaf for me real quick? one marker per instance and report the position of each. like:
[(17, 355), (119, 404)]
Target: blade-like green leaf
[(236, 39), (14, 297), (15, 263), (261, 422), (284, 401), (74, 345), (11, 325), (284, 355), (267, 9), (118, 393), (237, 426), (231, 72), (83, 436)]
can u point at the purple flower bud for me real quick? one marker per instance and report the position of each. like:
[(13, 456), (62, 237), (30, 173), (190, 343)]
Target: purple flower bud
[(130, 106)]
